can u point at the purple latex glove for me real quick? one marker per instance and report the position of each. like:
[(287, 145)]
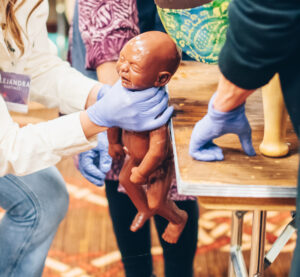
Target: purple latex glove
[(95, 163), (215, 124), (131, 110)]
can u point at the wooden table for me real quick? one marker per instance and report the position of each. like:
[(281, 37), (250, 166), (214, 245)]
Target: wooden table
[(239, 183)]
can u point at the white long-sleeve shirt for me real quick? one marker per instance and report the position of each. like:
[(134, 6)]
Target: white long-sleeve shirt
[(53, 83)]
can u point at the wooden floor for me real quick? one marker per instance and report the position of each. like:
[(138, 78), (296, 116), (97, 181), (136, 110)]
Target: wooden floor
[(85, 244)]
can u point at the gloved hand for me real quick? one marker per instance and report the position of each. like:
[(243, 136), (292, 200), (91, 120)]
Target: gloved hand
[(131, 110), (103, 90), (95, 163), (215, 124)]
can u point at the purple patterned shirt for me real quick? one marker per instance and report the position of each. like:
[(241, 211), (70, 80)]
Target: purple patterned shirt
[(105, 27)]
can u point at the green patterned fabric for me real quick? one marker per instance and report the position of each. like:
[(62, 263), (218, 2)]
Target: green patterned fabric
[(201, 31)]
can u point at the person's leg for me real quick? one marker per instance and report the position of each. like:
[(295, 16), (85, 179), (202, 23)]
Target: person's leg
[(179, 257), (134, 246), (35, 204)]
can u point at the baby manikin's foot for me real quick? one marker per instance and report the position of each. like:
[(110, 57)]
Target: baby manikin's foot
[(139, 221), (173, 231)]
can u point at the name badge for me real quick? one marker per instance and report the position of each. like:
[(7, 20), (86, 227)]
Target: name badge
[(14, 88)]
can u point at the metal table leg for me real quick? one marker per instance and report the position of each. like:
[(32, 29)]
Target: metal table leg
[(281, 241), (256, 268), (236, 260)]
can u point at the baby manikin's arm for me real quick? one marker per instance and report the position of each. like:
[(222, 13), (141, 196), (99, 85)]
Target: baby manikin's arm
[(158, 150), (115, 148)]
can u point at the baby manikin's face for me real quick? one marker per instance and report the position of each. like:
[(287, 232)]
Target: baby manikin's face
[(135, 66)]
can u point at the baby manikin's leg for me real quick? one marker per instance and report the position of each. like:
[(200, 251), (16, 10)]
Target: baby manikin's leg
[(137, 195), (158, 187), (177, 219), (157, 199)]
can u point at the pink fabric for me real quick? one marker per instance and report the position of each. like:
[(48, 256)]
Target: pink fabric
[(105, 26), (114, 172)]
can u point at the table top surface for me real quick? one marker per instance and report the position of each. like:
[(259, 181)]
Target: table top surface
[(238, 176)]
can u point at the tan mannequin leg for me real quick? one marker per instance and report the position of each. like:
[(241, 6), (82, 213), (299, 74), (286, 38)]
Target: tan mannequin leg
[(275, 117)]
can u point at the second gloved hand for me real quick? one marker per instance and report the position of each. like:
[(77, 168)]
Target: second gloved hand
[(95, 163), (215, 124), (131, 110)]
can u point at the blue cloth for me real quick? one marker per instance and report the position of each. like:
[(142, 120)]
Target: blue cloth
[(35, 204), (78, 51)]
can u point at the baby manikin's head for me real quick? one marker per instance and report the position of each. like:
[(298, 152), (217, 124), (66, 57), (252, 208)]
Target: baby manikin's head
[(148, 60)]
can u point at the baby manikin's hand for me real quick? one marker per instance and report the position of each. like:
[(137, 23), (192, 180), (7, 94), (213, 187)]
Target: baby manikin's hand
[(116, 151)]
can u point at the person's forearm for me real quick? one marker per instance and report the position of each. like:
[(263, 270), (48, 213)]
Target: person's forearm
[(107, 73), (92, 97), (229, 96), (89, 128)]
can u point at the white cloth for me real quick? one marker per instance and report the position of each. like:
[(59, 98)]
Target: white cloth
[(53, 83)]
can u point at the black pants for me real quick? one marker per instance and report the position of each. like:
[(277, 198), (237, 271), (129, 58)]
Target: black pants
[(135, 247)]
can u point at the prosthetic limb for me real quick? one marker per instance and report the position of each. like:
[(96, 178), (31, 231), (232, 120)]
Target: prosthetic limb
[(275, 117)]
